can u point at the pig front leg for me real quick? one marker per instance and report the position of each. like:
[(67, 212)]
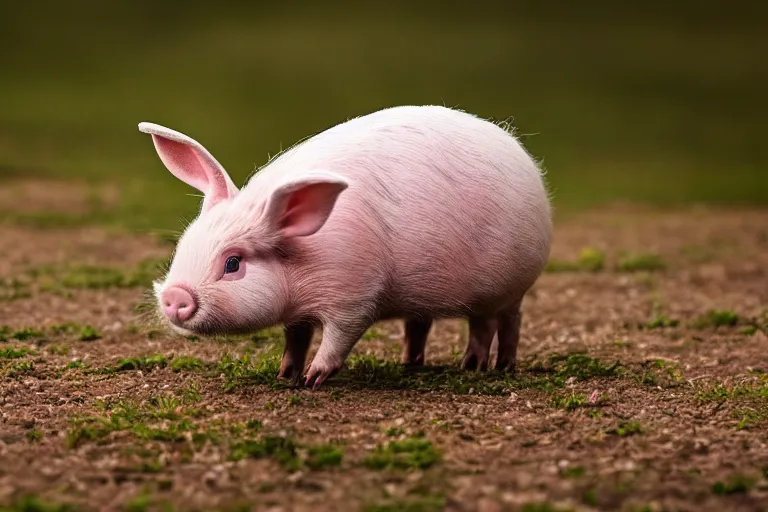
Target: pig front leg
[(298, 337), (481, 332), (338, 341), (416, 332)]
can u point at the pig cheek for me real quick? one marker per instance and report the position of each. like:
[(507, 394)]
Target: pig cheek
[(225, 305)]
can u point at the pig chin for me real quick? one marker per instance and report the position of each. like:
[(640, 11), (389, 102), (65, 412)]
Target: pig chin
[(181, 330), (210, 326)]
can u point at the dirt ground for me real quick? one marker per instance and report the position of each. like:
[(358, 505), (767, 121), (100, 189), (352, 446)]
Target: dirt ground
[(642, 385)]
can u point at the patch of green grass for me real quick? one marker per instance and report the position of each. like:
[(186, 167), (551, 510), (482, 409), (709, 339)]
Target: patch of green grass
[(121, 416), (723, 318), (640, 262), (751, 418), (717, 318), (14, 289), (736, 484), (163, 418), (143, 363), (73, 365), (15, 353), (186, 363), (151, 466), (660, 373), (35, 504), (324, 456), (281, 449), (191, 393), (19, 368), (88, 333), (268, 337), (34, 435), (65, 328), (139, 503), (755, 389), (748, 330), (58, 350), (589, 497), (589, 260), (25, 334), (570, 402), (580, 366), (372, 334), (660, 322), (626, 429), (592, 260), (409, 453), (573, 471), (84, 333), (172, 432), (167, 407), (247, 369)]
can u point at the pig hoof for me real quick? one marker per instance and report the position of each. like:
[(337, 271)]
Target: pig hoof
[(506, 366), (289, 373), (474, 362), (413, 362), (317, 375)]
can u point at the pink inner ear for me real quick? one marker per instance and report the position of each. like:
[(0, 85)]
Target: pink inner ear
[(182, 161), (196, 167), (307, 208)]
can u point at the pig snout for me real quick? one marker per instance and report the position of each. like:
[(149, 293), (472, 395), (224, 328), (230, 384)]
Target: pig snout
[(178, 304)]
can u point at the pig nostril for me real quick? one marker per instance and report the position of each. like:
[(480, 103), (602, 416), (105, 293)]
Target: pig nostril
[(179, 305)]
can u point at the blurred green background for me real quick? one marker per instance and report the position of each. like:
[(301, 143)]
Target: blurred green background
[(656, 103)]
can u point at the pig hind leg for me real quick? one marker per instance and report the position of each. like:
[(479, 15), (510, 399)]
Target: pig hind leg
[(298, 337), (416, 332), (481, 333), (509, 336)]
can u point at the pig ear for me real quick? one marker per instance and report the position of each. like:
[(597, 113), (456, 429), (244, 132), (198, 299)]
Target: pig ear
[(189, 161), (300, 207)]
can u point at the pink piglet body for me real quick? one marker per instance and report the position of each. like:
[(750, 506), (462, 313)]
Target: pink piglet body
[(414, 212)]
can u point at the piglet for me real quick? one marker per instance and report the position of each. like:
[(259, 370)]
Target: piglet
[(412, 212)]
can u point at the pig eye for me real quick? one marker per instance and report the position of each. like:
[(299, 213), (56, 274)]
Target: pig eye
[(232, 265)]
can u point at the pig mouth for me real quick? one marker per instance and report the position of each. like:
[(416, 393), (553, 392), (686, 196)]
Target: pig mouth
[(205, 327)]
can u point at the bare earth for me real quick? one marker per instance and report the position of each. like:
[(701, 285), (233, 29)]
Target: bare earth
[(680, 423)]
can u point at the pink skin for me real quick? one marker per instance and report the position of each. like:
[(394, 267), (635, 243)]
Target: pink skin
[(412, 212)]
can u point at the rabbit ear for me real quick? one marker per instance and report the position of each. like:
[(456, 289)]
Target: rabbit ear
[(189, 161)]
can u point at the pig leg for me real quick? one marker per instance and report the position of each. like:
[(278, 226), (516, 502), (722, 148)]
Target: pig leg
[(337, 343), (416, 332), (509, 336), (298, 337), (481, 332)]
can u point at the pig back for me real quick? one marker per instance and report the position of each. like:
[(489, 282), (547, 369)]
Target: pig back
[(445, 212)]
